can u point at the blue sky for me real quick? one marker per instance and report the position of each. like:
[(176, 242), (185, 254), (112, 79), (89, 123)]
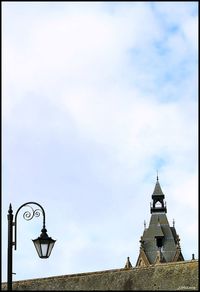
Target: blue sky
[(96, 98)]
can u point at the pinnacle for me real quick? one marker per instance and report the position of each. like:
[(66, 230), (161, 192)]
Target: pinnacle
[(157, 190)]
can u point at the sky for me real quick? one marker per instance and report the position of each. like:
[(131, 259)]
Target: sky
[(97, 97)]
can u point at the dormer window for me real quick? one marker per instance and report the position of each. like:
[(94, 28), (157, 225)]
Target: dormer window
[(159, 242)]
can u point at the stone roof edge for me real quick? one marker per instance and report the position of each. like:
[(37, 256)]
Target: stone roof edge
[(106, 271)]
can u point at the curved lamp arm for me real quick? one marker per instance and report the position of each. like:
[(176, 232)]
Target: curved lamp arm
[(28, 215)]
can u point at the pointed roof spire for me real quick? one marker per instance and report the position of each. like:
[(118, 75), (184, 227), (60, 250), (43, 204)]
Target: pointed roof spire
[(157, 190), (158, 199), (128, 264)]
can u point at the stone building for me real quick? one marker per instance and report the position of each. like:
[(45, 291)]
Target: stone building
[(159, 243), (182, 276)]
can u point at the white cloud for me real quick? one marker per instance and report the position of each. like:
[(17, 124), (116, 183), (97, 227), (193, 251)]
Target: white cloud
[(190, 29)]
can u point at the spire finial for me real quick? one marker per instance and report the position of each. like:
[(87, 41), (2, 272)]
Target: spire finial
[(157, 175), (173, 223), (144, 224), (128, 264)]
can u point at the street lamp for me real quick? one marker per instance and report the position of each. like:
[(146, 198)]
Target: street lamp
[(43, 244)]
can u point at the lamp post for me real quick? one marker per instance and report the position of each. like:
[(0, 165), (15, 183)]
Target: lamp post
[(43, 243)]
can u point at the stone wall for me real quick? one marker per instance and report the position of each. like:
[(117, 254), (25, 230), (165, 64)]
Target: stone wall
[(167, 276)]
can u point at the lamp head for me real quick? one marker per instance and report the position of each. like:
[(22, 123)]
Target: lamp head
[(44, 244)]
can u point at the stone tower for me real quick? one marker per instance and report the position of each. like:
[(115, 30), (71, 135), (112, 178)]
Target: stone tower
[(159, 242)]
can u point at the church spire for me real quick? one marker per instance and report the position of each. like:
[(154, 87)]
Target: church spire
[(159, 242), (157, 190), (158, 199)]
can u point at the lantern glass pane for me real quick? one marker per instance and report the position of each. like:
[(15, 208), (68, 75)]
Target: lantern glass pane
[(44, 248), (37, 246), (51, 244)]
